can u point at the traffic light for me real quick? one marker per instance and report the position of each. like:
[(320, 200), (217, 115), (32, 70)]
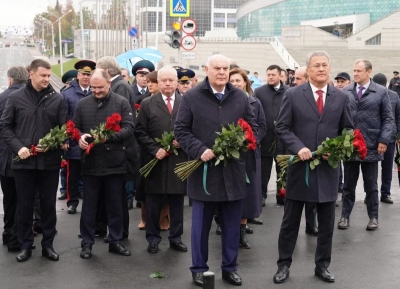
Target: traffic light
[(175, 36)]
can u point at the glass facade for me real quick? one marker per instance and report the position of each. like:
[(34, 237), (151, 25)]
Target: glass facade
[(268, 21)]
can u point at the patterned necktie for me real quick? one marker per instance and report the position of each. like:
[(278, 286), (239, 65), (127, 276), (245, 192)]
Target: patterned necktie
[(360, 92), (320, 101), (142, 91), (169, 106), (219, 95)]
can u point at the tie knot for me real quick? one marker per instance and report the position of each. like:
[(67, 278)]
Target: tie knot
[(219, 95), (85, 91), (142, 91), (320, 93), (361, 88)]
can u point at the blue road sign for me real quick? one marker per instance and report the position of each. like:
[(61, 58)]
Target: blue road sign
[(133, 32), (179, 8)]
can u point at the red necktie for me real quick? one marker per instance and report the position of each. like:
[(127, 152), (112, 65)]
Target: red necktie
[(320, 101), (169, 106)]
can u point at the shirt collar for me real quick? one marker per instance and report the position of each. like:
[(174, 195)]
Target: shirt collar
[(277, 87), (140, 88), (215, 91), (365, 86), (83, 89), (314, 89), (172, 98), (114, 77)]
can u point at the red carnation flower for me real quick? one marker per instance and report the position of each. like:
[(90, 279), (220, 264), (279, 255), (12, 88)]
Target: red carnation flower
[(110, 120), (282, 193), (137, 106), (33, 150), (76, 135), (116, 128), (117, 117), (360, 145), (90, 146), (109, 126)]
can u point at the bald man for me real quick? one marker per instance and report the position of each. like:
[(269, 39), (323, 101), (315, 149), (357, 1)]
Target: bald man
[(300, 76)]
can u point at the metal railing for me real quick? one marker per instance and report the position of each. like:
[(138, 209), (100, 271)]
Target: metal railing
[(284, 54)]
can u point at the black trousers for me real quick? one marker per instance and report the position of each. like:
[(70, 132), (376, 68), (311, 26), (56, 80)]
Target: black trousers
[(28, 182), (370, 177), (154, 203), (310, 213), (9, 203), (74, 176), (290, 230), (113, 187), (266, 167)]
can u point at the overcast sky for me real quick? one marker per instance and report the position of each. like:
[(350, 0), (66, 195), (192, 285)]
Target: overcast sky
[(22, 12)]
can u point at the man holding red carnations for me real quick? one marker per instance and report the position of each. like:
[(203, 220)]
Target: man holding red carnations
[(309, 114), (105, 120), (30, 113)]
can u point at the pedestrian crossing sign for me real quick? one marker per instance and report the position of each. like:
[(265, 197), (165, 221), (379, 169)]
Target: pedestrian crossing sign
[(179, 8)]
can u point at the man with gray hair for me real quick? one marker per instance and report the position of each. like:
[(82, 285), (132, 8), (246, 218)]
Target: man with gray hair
[(156, 116), (204, 109), (309, 114), (17, 78)]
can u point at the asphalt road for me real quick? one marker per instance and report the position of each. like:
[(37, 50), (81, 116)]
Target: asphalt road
[(361, 259), (21, 55)]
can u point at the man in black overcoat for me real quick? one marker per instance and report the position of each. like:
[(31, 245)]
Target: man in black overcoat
[(157, 115), (204, 110), (309, 114), (270, 96)]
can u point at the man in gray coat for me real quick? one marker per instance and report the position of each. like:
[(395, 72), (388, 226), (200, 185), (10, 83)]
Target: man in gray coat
[(309, 114), (372, 114)]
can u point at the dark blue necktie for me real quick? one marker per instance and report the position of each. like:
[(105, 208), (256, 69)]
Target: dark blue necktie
[(143, 91), (85, 91), (219, 95)]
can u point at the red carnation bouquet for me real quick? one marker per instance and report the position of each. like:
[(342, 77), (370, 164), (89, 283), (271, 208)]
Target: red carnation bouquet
[(104, 130), (137, 108), (56, 138), (228, 145), (348, 146)]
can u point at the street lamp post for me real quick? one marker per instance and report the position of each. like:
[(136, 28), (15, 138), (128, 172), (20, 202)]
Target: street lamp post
[(52, 36), (82, 31), (60, 44)]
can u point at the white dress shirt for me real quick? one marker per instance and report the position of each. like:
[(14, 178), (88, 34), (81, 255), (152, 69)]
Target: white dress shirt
[(215, 91), (365, 87), (314, 90), (172, 100)]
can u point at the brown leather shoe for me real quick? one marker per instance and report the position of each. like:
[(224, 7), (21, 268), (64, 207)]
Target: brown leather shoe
[(372, 224), (344, 224)]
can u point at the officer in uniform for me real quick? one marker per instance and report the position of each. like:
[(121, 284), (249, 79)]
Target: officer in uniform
[(395, 83), (67, 78), (77, 89), (185, 80), (139, 70)]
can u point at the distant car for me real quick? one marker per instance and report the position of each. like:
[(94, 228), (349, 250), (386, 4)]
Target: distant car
[(71, 55), (7, 45), (22, 44)]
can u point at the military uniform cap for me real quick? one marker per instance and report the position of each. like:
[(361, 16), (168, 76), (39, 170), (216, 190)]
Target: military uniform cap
[(185, 75), (85, 66), (395, 72), (290, 70), (143, 67), (69, 76), (176, 67)]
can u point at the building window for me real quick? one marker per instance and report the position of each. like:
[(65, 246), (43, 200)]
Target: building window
[(219, 15), (376, 40), (219, 25), (194, 67)]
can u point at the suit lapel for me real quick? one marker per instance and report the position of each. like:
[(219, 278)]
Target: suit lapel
[(177, 102), (330, 96), (308, 94), (160, 103)]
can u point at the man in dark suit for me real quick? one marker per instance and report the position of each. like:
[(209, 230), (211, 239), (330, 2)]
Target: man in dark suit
[(17, 78), (157, 115), (204, 109), (372, 114), (270, 96), (309, 114), (139, 70), (387, 162)]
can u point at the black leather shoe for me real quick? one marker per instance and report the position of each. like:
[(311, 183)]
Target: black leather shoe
[(218, 231), (100, 234), (178, 246), (130, 204), (24, 255), (343, 224), (263, 202), (105, 240), (198, 279), (255, 221), (281, 275), (324, 275), (62, 196), (86, 252), (50, 254), (71, 209), (249, 230), (312, 232), (232, 278), (118, 249), (152, 248), (387, 200)]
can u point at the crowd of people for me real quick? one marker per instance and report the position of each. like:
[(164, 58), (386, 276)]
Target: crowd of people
[(292, 113)]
